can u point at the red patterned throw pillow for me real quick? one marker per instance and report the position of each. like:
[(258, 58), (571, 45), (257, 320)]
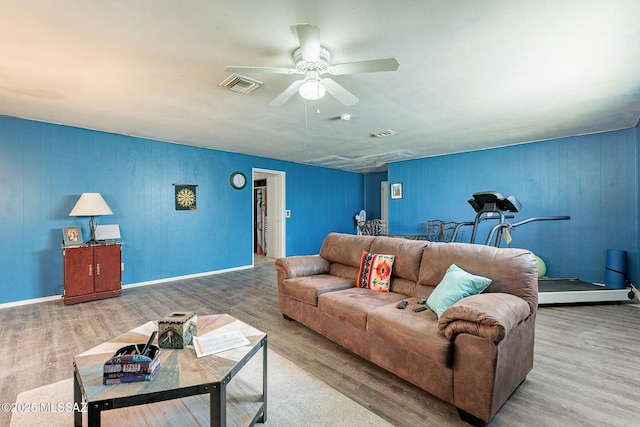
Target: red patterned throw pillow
[(375, 271)]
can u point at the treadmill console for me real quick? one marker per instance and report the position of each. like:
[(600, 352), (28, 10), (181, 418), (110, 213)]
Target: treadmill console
[(492, 201)]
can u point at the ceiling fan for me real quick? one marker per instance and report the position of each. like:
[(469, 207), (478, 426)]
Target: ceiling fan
[(312, 60)]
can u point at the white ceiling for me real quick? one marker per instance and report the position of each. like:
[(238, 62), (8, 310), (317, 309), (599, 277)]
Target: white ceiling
[(473, 74)]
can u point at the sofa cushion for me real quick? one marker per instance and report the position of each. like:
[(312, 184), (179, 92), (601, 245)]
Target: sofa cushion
[(408, 254), (375, 271), (512, 271), (353, 305), (345, 248), (417, 332), (409, 288), (455, 285), (345, 271), (308, 288)]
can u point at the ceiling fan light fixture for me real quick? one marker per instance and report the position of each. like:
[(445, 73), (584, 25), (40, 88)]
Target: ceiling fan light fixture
[(313, 60), (312, 90)]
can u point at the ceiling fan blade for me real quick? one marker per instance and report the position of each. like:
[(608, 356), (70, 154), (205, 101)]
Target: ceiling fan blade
[(272, 70), (309, 37), (372, 66), (287, 93), (338, 92)]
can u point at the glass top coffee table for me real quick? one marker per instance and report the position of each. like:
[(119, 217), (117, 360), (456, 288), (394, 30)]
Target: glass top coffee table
[(181, 375)]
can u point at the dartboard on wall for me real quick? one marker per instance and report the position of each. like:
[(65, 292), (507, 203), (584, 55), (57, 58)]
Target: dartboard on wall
[(185, 197)]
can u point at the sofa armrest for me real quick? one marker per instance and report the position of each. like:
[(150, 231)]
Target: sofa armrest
[(488, 315), (299, 266)]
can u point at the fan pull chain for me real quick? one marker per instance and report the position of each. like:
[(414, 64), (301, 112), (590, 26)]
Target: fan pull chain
[(306, 115), (306, 118)]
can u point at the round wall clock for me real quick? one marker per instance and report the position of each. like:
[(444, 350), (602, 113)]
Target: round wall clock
[(238, 180)]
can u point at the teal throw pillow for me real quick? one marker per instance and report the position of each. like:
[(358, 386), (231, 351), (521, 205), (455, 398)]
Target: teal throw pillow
[(455, 285)]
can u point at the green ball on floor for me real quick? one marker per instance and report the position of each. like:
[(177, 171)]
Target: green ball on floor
[(542, 267)]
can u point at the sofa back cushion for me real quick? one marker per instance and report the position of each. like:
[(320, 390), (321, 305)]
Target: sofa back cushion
[(408, 254), (512, 271), (344, 271), (410, 288), (345, 249)]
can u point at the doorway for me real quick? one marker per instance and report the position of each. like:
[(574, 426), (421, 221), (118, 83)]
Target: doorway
[(268, 211), (384, 202)]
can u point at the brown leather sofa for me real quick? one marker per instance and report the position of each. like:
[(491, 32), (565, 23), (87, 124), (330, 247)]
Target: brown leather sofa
[(474, 356)]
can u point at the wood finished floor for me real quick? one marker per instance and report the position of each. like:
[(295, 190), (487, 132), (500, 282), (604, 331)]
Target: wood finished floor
[(586, 373)]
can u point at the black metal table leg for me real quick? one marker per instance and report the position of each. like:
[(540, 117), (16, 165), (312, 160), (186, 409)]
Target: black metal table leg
[(94, 415), (263, 418), (218, 405), (77, 399)]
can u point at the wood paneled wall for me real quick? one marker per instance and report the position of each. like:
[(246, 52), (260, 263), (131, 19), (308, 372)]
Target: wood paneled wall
[(592, 178)]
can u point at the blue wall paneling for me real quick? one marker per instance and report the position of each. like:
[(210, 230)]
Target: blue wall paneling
[(44, 168), (372, 193), (592, 178)]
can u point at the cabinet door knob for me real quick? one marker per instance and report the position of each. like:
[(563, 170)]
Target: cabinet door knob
[(97, 269), (90, 270)]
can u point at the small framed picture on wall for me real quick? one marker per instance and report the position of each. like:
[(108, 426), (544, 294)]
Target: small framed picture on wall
[(396, 190), (72, 236)]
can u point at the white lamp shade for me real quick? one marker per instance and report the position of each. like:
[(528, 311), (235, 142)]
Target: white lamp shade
[(90, 204), (312, 90)]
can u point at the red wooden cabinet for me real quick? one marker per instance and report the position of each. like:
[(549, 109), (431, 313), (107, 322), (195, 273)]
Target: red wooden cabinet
[(92, 272)]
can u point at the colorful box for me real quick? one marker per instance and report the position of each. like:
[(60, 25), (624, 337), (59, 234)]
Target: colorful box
[(177, 330)]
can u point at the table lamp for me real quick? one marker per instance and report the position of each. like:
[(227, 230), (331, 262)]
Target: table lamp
[(91, 204)]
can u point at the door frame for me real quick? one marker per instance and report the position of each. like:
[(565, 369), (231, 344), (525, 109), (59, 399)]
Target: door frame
[(276, 185), (384, 202)]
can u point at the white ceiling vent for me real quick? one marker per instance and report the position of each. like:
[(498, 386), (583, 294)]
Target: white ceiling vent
[(241, 84), (383, 133)]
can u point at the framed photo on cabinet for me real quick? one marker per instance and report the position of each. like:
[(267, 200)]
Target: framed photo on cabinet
[(396, 190), (72, 236)]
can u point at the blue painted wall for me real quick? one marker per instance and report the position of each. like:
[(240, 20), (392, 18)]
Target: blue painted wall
[(592, 178), (372, 193), (44, 168)]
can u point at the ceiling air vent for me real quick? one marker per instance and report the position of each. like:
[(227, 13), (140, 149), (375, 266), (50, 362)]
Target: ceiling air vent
[(383, 133), (241, 84)]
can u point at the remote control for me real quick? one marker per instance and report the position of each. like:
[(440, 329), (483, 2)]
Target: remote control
[(419, 309), (402, 304), (422, 301)]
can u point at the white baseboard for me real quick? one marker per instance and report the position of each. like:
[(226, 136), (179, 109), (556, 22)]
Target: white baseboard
[(188, 276), (130, 285), (30, 301)]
